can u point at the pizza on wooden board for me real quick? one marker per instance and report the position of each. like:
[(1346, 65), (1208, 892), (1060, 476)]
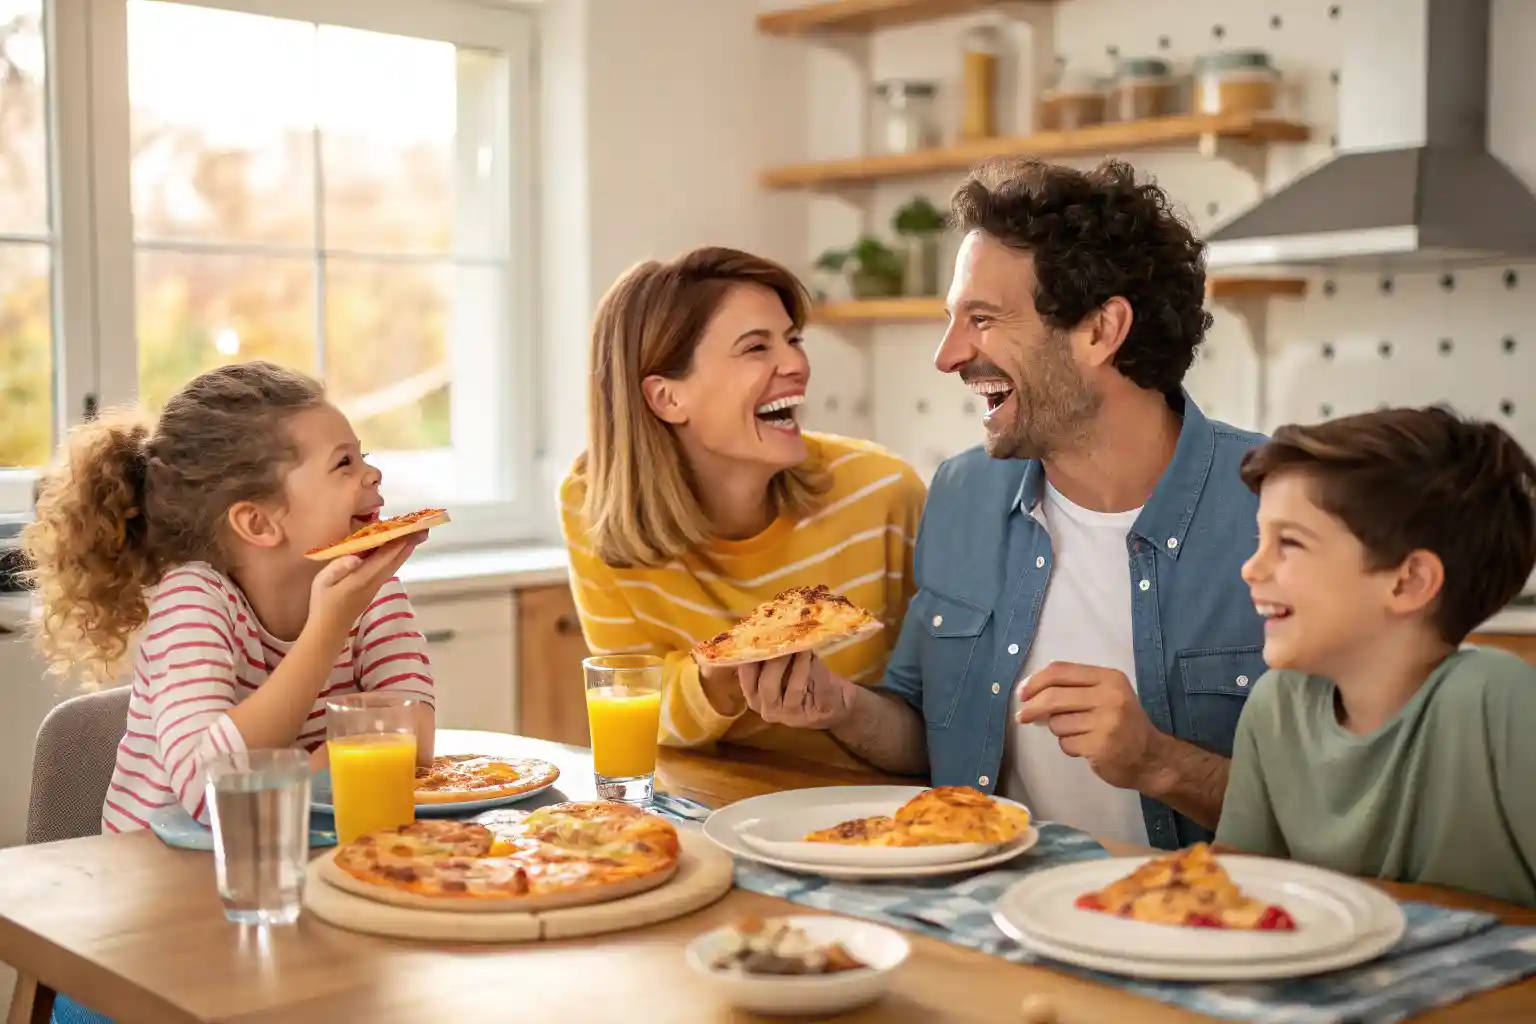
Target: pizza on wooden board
[(799, 619), (457, 778), (935, 817), (564, 855), (1188, 888), (380, 532)]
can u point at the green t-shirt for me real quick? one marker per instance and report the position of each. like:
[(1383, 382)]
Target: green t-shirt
[(1445, 793)]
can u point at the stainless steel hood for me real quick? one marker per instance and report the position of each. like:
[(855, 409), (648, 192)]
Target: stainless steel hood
[(1413, 181)]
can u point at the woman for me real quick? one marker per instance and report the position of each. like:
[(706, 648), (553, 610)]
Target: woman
[(699, 497)]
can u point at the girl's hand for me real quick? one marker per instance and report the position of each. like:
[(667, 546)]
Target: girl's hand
[(345, 588)]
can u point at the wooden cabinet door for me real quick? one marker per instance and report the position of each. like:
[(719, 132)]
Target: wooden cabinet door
[(1523, 644), (469, 640), (550, 684)]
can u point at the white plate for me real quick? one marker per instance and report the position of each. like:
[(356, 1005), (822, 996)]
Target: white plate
[(805, 804), (884, 949), (780, 837), (1334, 914), (1368, 947)]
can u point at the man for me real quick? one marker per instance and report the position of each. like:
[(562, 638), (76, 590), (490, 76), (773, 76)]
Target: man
[(1082, 639)]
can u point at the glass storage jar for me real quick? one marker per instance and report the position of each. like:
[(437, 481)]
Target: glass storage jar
[(905, 123), (1235, 82), (1075, 101), (982, 48), (1144, 87)]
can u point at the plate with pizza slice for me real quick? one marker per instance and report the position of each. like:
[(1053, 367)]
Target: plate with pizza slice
[(943, 825), (1194, 915), (795, 620), (379, 532), (459, 784), (848, 820)]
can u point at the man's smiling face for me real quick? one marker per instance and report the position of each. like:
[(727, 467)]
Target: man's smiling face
[(1038, 399)]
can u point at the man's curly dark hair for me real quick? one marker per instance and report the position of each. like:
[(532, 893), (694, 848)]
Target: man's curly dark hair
[(1095, 235)]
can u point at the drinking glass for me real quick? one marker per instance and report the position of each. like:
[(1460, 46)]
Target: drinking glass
[(260, 802), (624, 712), (371, 741)]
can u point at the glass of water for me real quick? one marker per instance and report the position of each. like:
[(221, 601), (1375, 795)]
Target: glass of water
[(623, 713), (260, 801)]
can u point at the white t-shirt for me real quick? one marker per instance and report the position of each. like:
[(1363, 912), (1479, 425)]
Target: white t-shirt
[(1086, 619)]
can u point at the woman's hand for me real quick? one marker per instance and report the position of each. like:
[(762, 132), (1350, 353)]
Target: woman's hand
[(345, 588), (797, 690)]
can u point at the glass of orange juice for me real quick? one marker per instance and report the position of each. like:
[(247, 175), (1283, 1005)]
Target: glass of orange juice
[(371, 743), (624, 712)]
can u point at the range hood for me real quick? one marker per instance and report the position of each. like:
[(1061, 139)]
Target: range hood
[(1413, 181)]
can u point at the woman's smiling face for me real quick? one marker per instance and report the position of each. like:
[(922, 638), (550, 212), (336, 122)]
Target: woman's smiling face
[(739, 401)]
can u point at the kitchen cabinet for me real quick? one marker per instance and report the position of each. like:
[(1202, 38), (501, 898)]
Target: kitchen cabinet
[(1523, 644), (552, 700), (471, 645)]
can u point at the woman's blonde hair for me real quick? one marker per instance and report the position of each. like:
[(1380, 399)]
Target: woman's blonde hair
[(127, 499), (642, 505)]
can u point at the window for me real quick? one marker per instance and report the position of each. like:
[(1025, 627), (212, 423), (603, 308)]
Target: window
[(27, 242), (342, 186)]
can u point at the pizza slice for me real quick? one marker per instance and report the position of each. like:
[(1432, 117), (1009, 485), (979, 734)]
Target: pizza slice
[(377, 534), (857, 832), (799, 619), (1188, 888)]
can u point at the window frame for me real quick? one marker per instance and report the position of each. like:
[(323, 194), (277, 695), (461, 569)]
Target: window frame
[(91, 221)]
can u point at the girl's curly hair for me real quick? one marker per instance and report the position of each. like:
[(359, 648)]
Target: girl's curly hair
[(129, 498)]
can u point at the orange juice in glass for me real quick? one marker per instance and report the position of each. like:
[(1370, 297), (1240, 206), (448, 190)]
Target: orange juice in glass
[(624, 713), (371, 743)]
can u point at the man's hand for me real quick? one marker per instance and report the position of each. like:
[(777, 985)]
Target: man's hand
[(1095, 715), (797, 690)]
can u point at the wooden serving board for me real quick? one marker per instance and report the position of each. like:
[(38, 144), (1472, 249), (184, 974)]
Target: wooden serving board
[(703, 875)]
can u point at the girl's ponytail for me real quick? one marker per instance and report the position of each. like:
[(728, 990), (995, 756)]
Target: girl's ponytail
[(91, 548), (127, 501)]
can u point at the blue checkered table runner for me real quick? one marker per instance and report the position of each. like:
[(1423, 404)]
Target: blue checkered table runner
[(1444, 956)]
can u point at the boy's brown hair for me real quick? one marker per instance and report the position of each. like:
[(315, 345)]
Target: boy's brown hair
[(1405, 480)]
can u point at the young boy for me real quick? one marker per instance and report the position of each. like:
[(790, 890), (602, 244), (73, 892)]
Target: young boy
[(1374, 745)]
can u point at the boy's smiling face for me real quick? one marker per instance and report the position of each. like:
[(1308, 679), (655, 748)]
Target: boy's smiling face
[(1311, 580)]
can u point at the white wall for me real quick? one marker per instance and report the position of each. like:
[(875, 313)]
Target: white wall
[(658, 117)]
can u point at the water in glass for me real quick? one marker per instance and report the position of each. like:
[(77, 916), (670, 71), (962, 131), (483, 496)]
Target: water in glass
[(261, 835)]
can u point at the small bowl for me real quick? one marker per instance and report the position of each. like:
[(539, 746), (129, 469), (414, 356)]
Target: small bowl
[(883, 949)]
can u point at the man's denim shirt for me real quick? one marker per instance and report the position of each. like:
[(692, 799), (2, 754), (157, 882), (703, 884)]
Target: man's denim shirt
[(982, 564)]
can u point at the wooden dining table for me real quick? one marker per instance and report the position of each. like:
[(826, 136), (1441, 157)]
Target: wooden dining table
[(134, 929)]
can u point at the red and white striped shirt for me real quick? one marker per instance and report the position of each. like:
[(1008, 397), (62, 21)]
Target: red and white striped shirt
[(202, 652)]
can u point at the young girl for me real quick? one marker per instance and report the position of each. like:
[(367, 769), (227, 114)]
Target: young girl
[(190, 532)]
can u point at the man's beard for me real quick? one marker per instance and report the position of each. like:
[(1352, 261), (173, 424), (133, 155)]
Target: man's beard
[(1053, 406)]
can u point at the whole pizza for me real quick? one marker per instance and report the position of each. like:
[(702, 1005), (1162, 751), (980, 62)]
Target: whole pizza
[(461, 778), (799, 619), (380, 532), (564, 855)]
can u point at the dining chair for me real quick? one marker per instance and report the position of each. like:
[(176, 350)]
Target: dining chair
[(72, 765)]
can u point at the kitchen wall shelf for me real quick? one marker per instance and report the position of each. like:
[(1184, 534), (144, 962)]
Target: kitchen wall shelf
[(852, 16), (1231, 291), (1210, 133)]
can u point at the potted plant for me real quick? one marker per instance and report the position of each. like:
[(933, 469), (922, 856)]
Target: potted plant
[(921, 224), (874, 269)]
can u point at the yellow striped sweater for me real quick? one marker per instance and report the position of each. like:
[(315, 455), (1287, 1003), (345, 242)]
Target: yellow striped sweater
[(859, 544)]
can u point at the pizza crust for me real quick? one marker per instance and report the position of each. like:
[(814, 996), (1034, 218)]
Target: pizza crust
[(336, 876), (370, 539)]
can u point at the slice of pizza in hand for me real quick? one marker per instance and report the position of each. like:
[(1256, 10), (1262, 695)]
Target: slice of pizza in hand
[(1188, 888), (377, 534), (799, 619)]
